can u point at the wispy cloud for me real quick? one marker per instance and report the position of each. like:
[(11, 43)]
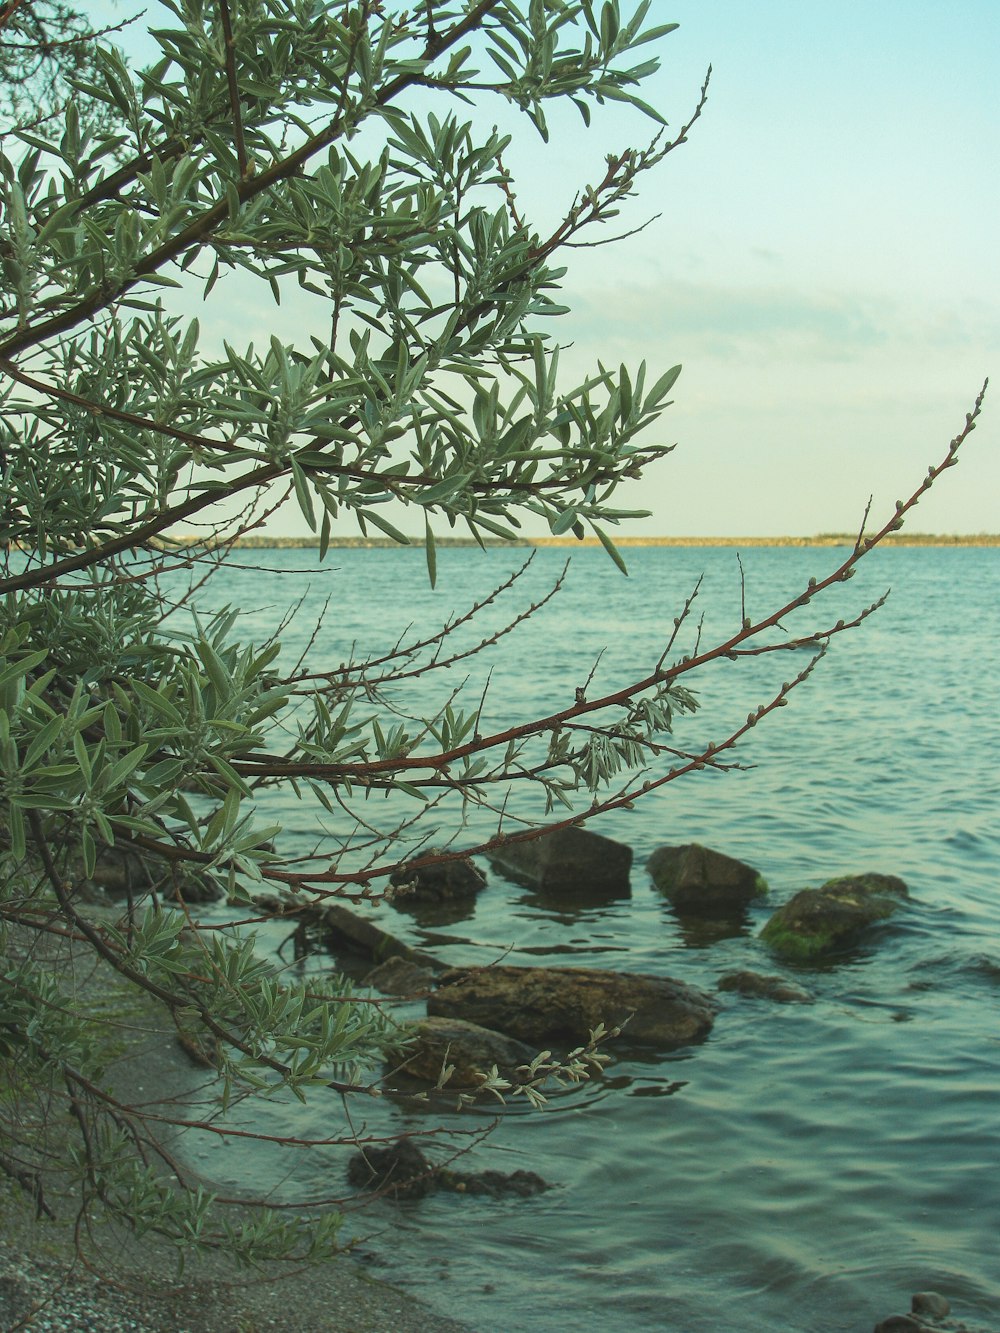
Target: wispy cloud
[(729, 322)]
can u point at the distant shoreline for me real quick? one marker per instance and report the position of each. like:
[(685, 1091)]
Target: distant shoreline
[(265, 543)]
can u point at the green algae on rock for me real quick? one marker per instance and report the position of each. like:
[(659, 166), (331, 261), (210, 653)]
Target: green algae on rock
[(819, 922)]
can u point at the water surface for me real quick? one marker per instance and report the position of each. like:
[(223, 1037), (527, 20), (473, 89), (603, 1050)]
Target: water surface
[(806, 1167)]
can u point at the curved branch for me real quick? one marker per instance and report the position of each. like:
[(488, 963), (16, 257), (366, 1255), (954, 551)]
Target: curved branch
[(661, 676)]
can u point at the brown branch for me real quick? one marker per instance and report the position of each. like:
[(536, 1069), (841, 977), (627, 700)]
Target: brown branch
[(259, 477), (201, 227), (370, 773), (621, 170), (505, 185), (234, 90), (79, 40), (613, 240), (382, 773), (8, 10), (707, 758), (342, 678), (30, 1182), (96, 409), (337, 772)]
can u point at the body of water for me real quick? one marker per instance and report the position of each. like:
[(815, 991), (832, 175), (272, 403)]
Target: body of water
[(808, 1166)]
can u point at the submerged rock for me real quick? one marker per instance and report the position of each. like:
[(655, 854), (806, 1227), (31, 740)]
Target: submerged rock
[(344, 931), (472, 1049), (817, 922), (563, 1005), (404, 1171), (929, 1305), (764, 987), (699, 881), (401, 1169), (400, 976), (567, 861)]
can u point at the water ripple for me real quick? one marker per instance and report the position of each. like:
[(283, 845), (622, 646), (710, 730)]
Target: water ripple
[(807, 1167)]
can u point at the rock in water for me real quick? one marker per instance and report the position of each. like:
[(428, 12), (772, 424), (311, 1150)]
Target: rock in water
[(562, 1005), (929, 1314), (701, 882), (121, 872), (472, 1049), (818, 922), (567, 861), (445, 881), (929, 1305), (344, 931), (398, 976), (400, 1169), (496, 1184)]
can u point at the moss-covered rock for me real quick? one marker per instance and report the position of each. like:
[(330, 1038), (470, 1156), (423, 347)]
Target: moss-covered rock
[(819, 922)]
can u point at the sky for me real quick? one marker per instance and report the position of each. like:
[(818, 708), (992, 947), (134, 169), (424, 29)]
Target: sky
[(824, 262)]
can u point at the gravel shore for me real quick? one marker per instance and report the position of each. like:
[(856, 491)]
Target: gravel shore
[(53, 1295), (52, 1279)]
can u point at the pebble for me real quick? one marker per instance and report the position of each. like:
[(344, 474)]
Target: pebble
[(34, 1297)]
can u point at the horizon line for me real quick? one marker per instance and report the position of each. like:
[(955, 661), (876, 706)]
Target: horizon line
[(266, 541)]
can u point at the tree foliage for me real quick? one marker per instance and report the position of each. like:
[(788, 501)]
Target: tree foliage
[(43, 45), (341, 155)]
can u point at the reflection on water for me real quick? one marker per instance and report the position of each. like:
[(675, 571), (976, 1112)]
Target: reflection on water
[(700, 932), (808, 1166)]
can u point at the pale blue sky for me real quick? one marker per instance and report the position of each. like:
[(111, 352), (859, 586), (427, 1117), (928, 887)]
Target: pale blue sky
[(825, 266)]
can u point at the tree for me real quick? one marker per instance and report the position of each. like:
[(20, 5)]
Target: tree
[(337, 152), (44, 44)]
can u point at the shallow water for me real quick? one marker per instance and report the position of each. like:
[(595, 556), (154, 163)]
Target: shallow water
[(808, 1166)]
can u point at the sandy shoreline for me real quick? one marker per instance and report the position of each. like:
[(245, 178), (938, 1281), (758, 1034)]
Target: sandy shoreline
[(257, 542)]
